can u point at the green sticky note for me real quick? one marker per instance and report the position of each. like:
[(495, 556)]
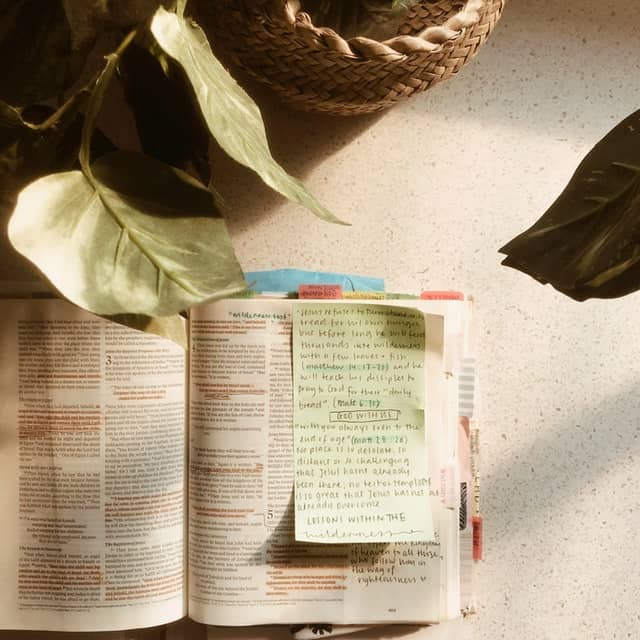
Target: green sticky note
[(361, 472)]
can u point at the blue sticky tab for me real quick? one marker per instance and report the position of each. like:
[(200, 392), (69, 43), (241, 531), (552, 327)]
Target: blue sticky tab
[(286, 280)]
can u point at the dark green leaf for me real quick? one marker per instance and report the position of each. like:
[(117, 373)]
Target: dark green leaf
[(376, 19), (587, 244), (135, 236), (403, 4), (39, 61), (89, 18), (169, 122)]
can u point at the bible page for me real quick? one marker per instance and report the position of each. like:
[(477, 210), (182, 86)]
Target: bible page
[(245, 566), (92, 464)]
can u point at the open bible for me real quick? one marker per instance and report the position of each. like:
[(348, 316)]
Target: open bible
[(141, 484)]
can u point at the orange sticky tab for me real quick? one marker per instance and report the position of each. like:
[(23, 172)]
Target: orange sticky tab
[(441, 295), (476, 523), (320, 291)]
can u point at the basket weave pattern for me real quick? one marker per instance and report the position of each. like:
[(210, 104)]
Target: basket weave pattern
[(315, 69)]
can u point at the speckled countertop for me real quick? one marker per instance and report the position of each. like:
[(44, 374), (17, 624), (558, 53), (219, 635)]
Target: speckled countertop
[(432, 189)]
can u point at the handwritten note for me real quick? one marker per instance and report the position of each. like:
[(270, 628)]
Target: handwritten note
[(359, 434), (395, 564)]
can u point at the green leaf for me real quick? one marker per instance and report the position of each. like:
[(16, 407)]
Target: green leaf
[(39, 61), (403, 4), (587, 244), (231, 115), (35, 142), (169, 123), (136, 236), (375, 19), (88, 19), (170, 327)]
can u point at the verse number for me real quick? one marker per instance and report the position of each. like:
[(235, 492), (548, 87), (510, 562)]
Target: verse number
[(108, 360)]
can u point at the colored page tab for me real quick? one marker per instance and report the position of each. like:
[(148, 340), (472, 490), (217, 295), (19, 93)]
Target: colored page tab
[(364, 295), (290, 279), (320, 291), (359, 431), (442, 295)]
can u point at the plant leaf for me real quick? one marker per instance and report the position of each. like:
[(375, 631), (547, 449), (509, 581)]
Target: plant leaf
[(137, 236), (231, 115), (88, 19), (169, 123), (403, 4), (170, 327), (39, 61), (35, 142), (375, 19), (587, 244)]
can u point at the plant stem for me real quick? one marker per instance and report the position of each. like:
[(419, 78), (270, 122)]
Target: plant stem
[(95, 102), (71, 102)]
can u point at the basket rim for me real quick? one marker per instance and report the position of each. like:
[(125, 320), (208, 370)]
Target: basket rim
[(314, 69), (430, 41)]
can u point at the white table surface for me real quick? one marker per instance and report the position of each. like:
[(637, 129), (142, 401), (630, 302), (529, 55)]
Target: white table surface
[(432, 189)]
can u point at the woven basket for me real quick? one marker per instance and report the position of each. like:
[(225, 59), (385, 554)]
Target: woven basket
[(316, 69)]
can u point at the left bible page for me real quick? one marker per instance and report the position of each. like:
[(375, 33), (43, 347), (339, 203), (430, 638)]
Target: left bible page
[(92, 472)]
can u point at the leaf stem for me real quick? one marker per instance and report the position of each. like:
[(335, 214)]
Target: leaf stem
[(93, 108), (95, 102), (56, 116)]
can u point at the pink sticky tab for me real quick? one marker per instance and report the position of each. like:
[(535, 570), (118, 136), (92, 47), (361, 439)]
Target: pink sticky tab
[(441, 295), (476, 523), (320, 291), (449, 485)]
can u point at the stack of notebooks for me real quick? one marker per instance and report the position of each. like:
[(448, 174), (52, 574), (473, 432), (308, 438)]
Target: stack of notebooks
[(312, 458)]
